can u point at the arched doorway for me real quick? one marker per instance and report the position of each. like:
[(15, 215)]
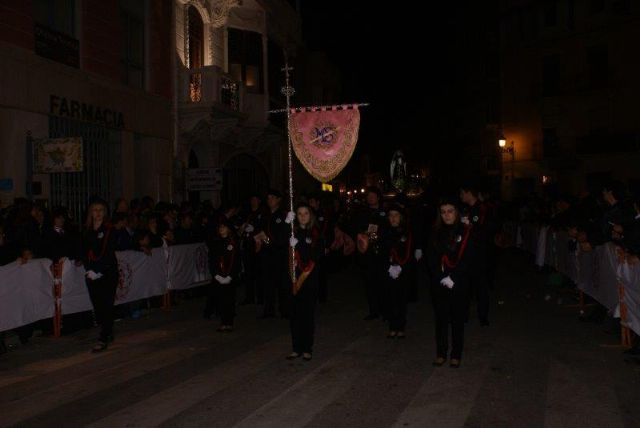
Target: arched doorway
[(243, 176)]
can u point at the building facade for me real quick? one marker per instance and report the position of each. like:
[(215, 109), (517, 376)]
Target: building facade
[(569, 72), (99, 70), (229, 58), (155, 90)]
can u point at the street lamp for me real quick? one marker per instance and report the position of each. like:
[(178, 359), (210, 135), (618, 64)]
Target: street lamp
[(502, 142)]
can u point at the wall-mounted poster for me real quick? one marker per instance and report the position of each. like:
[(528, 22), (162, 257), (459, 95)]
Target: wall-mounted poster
[(52, 155)]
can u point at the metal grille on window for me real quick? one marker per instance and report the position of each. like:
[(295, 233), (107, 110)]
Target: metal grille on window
[(230, 95), (101, 176)]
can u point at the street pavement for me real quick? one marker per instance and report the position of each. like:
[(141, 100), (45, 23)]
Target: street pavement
[(537, 365)]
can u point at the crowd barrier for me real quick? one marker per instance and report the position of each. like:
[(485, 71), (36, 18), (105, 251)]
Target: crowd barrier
[(606, 272), (40, 289)]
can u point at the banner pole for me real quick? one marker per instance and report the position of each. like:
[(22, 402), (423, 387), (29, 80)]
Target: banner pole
[(288, 92)]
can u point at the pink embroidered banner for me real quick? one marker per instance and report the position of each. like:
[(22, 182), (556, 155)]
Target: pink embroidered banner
[(324, 140)]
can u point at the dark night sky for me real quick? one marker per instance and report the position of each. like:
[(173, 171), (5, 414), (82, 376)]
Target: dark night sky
[(393, 58)]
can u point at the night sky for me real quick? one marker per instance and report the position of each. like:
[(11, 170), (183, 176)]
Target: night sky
[(394, 59)]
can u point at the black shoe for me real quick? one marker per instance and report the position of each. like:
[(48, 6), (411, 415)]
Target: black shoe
[(484, 323), (101, 346), (439, 362), (371, 317), (632, 351), (247, 302), (266, 316)]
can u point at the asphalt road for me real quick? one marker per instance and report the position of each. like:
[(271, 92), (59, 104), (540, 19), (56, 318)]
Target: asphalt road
[(535, 366)]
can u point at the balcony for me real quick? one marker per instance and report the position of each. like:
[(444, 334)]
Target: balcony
[(210, 85)]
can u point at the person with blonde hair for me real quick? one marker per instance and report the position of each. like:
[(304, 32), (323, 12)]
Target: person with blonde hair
[(101, 265)]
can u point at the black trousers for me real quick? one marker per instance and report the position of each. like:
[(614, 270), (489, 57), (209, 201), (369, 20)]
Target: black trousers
[(396, 297), (102, 293), (302, 319), (480, 288), (450, 309), (226, 302), (211, 305), (372, 272), (323, 276), (251, 274)]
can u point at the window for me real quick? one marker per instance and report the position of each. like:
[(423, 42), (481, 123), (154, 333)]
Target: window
[(598, 66), (551, 75), (132, 15), (196, 39), (58, 15), (245, 58), (596, 6), (571, 14), (54, 31), (621, 7), (550, 13)]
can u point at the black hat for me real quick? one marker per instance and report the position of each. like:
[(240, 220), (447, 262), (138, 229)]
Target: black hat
[(376, 190), (449, 200), (396, 207), (274, 192), (224, 221)]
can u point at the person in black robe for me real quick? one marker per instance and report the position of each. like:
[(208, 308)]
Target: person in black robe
[(476, 214), (272, 242), (224, 257), (451, 265), (250, 261), (325, 226), (101, 265), (397, 248), (370, 227), (307, 248)]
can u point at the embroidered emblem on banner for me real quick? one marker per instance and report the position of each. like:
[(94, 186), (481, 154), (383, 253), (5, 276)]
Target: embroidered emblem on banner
[(324, 140)]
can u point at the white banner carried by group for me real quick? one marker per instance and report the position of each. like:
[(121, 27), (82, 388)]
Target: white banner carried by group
[(26, 291), (629, 276)]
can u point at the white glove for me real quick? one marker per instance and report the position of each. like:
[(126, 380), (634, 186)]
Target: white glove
[(219, 279), (447, 282), (293, 242), (465, 220), (290, 217), (93, 276), (418, 254), (226, 280), (249, 228), (394, 271)]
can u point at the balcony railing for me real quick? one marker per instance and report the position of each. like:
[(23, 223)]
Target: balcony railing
[(210, 85), (230, 93)]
